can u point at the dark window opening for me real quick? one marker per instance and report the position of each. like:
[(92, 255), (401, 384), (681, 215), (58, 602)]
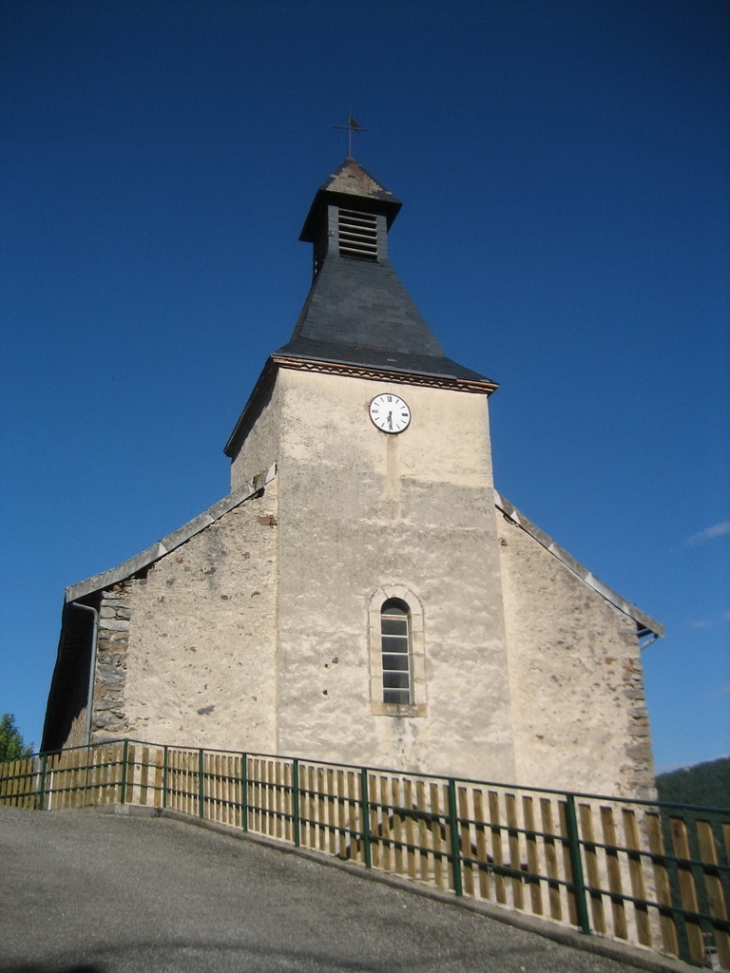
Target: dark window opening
[(358, 234), (396, 649)]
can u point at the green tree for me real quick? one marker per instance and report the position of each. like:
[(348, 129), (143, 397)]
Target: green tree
[(12, 746), (707, 784)]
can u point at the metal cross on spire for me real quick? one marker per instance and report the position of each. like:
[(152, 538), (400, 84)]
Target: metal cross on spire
[(351, 127)]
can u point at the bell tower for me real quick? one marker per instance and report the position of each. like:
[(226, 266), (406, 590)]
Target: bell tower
[(391, 643)]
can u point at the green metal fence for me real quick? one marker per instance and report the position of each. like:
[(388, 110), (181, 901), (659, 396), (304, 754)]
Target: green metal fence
[(656, 875)]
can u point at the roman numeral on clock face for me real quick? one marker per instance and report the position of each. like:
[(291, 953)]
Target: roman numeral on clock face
[(390, 413)]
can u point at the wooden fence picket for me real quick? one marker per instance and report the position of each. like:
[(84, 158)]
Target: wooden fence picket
[(590, 856), (159, 758), (613, 870), (713, 886), (354, 803), (687, 890), (385, 824), (520, 847), (465, 837), (375, 848), (144, 769), (636, 874), (438, 853), (328, 777), (533, 862), (551, 858), (424, 855), (343, 807), (497, 856), (308, 806), (513, 843), (253, 795), (410, 828), (653, 825), (482, 854), (263, 796), (398, 823), (208, 794), (267, 769), (110, 775), (571, 891)]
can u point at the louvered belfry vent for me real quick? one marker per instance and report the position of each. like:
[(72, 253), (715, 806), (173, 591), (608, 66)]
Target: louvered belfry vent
[(320, 252), (358, 234)]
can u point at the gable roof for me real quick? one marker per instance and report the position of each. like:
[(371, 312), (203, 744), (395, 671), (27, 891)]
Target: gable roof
[(151, 554), (646, 625)]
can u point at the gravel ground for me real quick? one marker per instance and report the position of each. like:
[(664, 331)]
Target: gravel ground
[(83, 892)]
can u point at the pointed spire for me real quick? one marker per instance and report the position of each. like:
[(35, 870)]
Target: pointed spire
[(349, 186), (358, 312), (358, 318)]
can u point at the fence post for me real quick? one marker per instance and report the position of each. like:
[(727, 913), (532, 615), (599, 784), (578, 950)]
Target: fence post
[(455, 839), (164, 776), (44, 768), (125, 757), (576, 862), (365, 812), (201, 785), (244, 792), (295, 802)]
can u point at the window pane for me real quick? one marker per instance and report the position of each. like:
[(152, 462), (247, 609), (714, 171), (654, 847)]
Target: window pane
[(396, 696), (395, 626), (393, 644), (395, 680), (392, 662), (396, 649)]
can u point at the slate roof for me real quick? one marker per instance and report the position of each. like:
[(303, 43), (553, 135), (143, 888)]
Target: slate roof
[(348, 181), (358, 312)]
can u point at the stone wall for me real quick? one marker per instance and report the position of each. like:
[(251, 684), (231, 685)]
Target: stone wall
[(186, 651), (109, 704), (259, 631), (578, 704), (362, 511)]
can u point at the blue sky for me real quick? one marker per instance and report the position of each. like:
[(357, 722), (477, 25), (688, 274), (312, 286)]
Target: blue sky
[(564, 167)]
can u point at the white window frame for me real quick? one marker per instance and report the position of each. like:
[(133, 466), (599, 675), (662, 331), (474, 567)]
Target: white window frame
[(417, 668)]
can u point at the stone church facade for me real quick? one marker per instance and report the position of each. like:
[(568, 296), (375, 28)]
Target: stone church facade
[(363, 594)]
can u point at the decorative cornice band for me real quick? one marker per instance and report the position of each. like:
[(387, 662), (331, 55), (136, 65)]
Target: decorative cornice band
[(379, 374)]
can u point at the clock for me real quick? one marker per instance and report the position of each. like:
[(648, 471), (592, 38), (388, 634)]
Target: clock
[(390, 413)]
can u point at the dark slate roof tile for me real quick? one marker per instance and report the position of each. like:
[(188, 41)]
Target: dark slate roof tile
[(358, 312)]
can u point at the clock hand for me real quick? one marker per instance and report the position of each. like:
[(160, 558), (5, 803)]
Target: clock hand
[(390, 420)]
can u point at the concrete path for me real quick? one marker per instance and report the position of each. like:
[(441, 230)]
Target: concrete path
[(84, 892)]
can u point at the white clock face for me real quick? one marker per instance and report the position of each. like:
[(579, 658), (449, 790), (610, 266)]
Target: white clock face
[(390, 413)]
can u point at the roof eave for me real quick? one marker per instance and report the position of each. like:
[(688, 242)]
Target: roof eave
[(172, 541), (260, 389), (346, 366), (645, 623)]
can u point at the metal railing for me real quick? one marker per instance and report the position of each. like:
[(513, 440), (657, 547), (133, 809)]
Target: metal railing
[(653, 874)]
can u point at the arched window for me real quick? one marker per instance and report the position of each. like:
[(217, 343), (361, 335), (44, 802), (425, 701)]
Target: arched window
[(397, 652), (395, 638)]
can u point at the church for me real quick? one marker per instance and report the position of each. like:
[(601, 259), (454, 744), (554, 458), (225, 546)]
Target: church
[(363, 595)]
